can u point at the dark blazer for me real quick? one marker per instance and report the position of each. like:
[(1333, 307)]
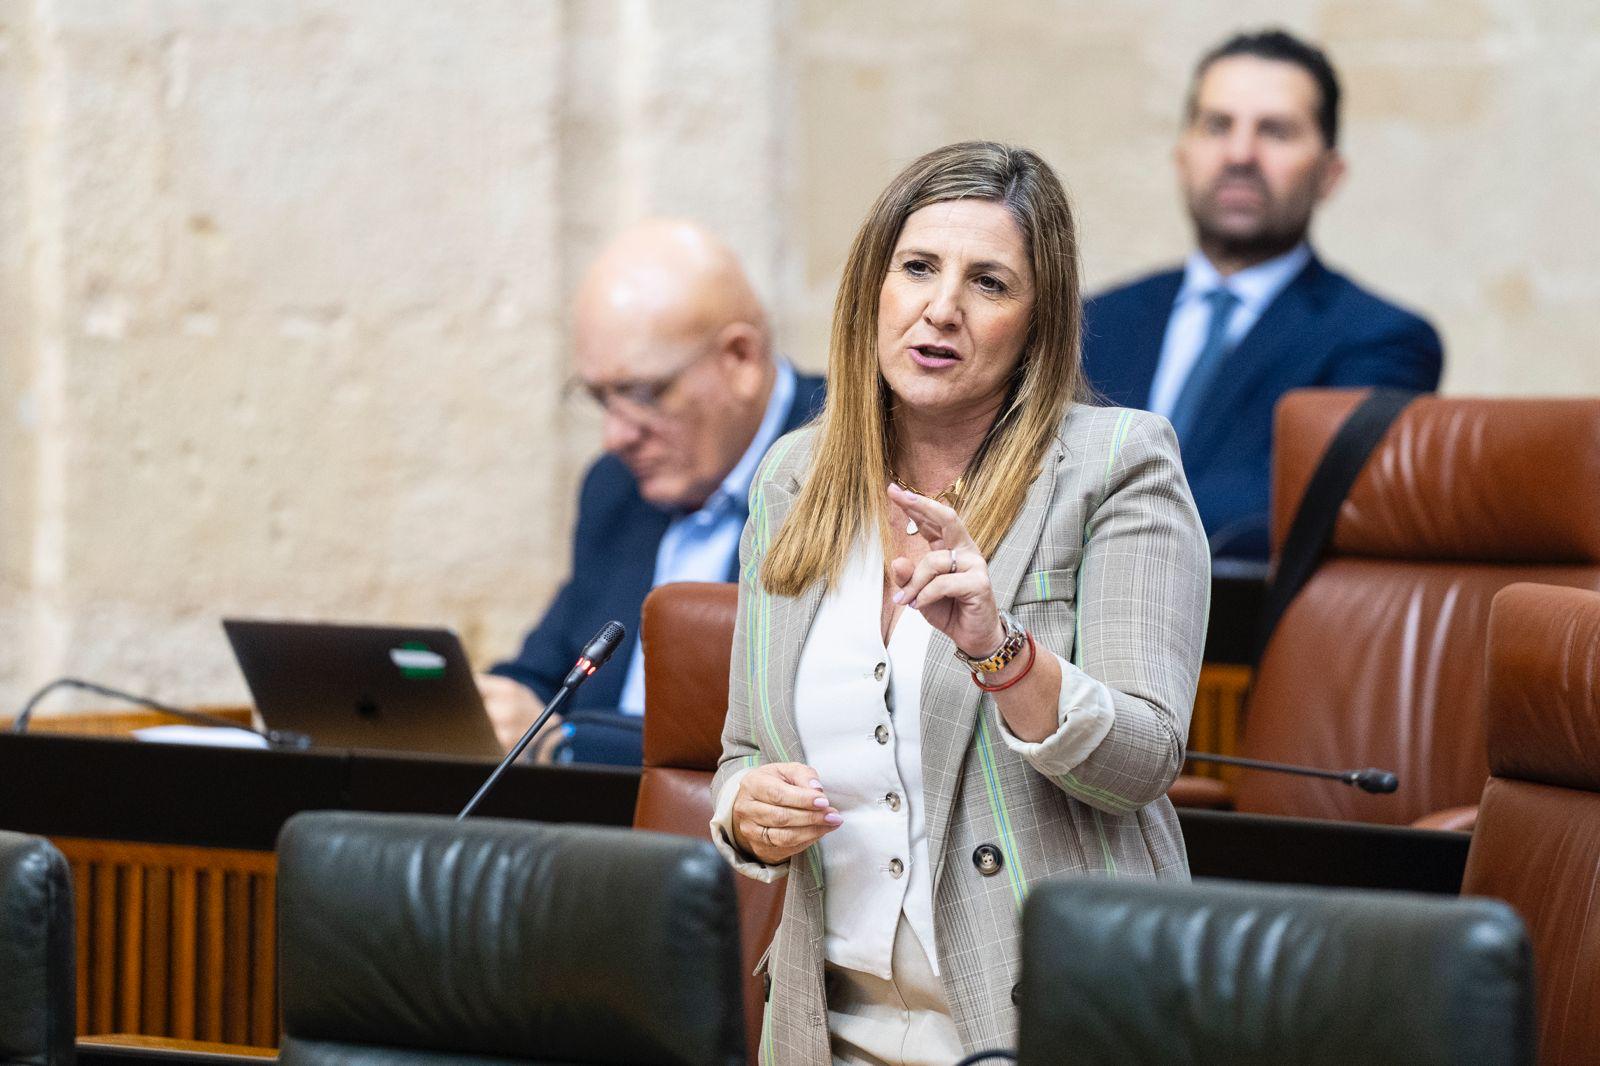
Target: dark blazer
[(1321, 330), (613, 564)]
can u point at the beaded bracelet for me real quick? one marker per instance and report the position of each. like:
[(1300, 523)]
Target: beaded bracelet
[(1032, 654)]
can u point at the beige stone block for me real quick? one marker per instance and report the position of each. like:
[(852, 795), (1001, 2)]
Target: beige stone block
[(1362, 22)]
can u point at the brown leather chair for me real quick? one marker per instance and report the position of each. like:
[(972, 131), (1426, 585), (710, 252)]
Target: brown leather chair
[(1379, 659), (1537, 842), (687, 631)]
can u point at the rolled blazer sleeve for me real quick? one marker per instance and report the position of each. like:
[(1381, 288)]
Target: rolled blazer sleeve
[(1143, 596)]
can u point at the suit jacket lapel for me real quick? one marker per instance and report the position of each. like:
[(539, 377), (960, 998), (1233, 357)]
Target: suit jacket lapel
[(1270, 347), (1143, 351), (951, 703)]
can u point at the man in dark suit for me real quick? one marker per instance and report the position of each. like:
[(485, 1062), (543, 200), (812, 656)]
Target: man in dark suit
[(673, 345), (1253, 313)]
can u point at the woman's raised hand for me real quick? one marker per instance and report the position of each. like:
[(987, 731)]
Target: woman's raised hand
[(780, 810), (950, 585)]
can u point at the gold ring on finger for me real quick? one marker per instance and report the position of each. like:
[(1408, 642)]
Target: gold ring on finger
[(952, 560), (766, 834)]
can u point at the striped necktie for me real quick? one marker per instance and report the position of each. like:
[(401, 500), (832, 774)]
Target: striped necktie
[(1186, 411)]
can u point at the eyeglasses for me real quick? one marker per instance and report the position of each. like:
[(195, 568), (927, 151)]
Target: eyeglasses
[(636, 399)]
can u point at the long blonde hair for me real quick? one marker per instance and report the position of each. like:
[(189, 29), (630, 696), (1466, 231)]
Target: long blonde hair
[(844, 492)]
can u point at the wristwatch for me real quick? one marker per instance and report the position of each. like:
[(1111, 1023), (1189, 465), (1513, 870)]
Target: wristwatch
[(1013, 640)]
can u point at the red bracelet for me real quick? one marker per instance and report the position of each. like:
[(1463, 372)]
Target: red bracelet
[(1032, 653)]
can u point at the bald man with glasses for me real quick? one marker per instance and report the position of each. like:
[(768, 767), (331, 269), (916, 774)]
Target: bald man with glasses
[(673, 346)]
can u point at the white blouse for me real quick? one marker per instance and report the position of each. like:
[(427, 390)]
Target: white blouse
[(858, 710)]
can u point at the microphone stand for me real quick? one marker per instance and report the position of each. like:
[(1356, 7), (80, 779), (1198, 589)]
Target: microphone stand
[(594, 656), (278, 738), (517, 749), (1371, 779)]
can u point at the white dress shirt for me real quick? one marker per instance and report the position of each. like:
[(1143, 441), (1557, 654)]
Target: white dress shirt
[(1256, 287)]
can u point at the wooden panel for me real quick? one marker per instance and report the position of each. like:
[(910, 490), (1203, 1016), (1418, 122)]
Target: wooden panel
[(185, 944), (236, 955), (102, 966), (175, 942), (81, 929), (1218, 721), (130, 941), (264, 955), (157, 961), (164, 1044), (213, 907)]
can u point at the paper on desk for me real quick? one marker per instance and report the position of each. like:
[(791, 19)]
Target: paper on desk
[(215, 736)]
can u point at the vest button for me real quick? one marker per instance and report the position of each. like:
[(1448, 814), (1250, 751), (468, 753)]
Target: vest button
[(988, 860), (878, 671), (896, 868), (881, 734), (893, 800)]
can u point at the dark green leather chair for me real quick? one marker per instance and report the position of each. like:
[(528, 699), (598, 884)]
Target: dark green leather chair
[(419, 941), (38, 1003), (1249, 975)]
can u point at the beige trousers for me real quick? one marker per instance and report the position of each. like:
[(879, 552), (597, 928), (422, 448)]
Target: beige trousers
[(903, 1021)]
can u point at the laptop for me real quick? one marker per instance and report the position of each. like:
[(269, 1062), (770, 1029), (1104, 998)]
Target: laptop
[(387, 688)]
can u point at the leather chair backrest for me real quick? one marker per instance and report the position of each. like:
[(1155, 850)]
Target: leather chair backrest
[(1223, 972), (38, 998), (687, 630), (1537, 841), (1379, 659), (421, 941)]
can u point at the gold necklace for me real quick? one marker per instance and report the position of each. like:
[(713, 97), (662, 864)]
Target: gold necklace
[(950, 495)]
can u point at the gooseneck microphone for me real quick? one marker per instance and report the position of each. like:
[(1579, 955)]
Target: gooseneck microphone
[(278, 738), (593, 657), (1371, 779)]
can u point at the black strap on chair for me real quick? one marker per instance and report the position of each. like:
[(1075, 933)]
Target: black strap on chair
[(1330, 483)]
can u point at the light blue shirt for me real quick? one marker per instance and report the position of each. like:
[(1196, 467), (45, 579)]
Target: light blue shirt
[(1256, 287), (700, 546)]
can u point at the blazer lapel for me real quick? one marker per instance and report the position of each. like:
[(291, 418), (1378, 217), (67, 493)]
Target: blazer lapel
[(779, 625), (951, 703)]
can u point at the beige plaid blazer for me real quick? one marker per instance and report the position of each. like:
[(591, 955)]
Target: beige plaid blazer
[(1107, 565)]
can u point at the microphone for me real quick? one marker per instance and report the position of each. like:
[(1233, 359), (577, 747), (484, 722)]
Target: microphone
[(593, 657), (1371, 779), (595, 653), (278, 738)]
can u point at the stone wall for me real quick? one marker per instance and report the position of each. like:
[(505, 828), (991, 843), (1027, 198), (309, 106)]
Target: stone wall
[(282, 285)]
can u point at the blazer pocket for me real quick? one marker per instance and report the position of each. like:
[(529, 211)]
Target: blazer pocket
[(1046, 586)]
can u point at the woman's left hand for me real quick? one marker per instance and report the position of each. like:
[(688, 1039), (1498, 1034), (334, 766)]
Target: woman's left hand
[(950, 585)]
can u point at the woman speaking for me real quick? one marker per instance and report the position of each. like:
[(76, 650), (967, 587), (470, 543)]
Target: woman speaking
[(971, 613)]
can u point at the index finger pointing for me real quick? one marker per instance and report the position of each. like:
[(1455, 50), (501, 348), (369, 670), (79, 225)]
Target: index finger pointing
[(935, 520)]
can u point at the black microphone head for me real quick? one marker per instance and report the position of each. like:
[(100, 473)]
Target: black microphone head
[(604, 643), (1373, 779)]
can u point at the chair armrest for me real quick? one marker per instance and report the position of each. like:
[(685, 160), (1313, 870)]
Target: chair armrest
[(1190, 790), (1458, 818)]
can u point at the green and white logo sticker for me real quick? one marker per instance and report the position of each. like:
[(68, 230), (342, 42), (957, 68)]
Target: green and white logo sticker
[(417, 661)]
